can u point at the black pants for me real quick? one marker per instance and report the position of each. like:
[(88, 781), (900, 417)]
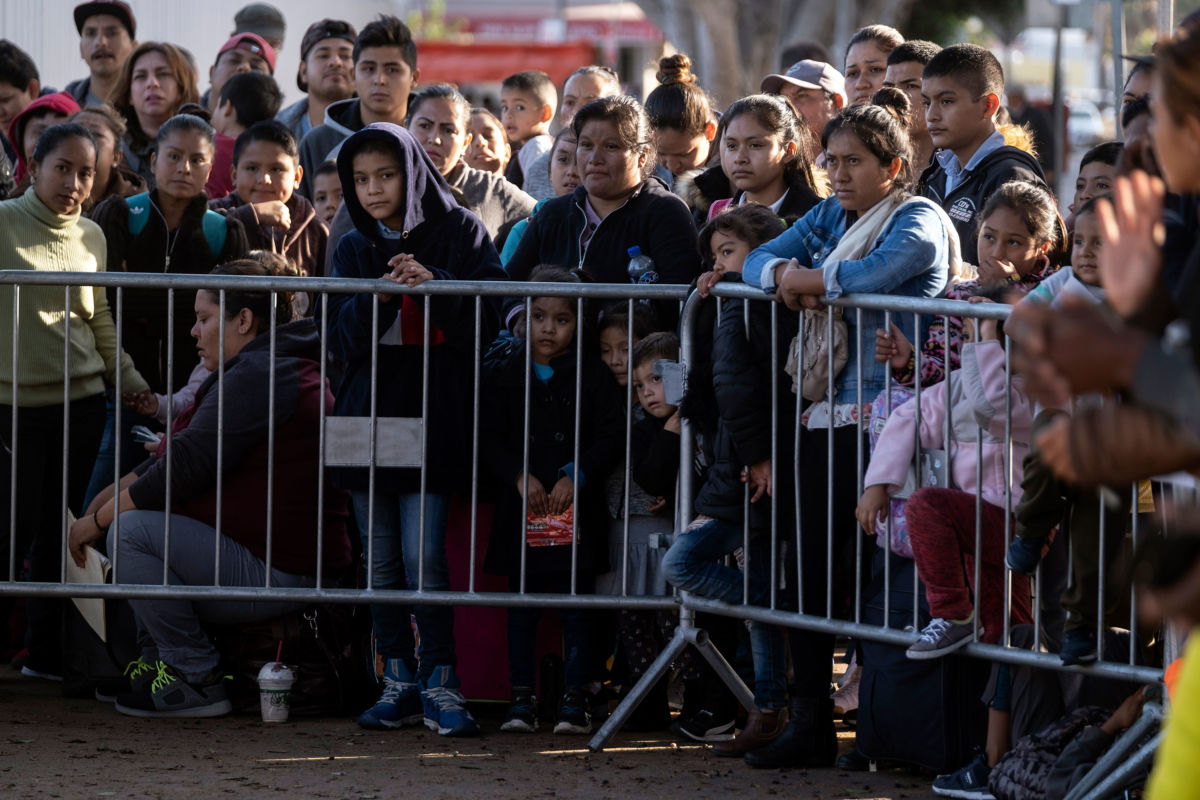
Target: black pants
[(40, 447), (812, 651)]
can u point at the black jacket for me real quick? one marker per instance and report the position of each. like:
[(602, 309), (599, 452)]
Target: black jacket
[(966, 202), (144, 316), (742, 369), (652, 218), (451, 243), (551, 448)]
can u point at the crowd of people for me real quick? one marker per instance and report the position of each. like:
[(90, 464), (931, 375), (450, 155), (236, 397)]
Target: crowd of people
[(895, 168)]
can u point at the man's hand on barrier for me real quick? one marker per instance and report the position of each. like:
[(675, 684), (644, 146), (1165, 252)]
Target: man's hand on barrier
[(894, 345), (561, 495), (1132, 231), (872, 506), (537, 500), (759, 478)]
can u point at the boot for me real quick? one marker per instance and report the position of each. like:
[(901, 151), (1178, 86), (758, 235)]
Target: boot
[(809, 739), (762, 727)]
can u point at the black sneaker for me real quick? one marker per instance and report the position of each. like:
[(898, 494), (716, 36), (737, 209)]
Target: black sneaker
[(522, 714), (169, 696), (970, 782), (573, 714), (705, 726), (1079, 646), (1023, 555)]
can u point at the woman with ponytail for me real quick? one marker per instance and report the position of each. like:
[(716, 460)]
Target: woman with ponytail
[(685, 129)]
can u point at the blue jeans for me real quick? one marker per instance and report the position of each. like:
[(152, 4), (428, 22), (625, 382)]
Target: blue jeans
[(395, 566), (692, 565), (132, 452)]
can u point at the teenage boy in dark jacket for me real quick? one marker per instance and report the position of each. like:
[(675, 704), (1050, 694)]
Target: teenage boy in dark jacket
[(961, 90)]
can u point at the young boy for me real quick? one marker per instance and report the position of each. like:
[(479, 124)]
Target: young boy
[(245, 99), (407, 228), (527, 103), (961, 90), (327, 191), (266, 172), (385, 73)]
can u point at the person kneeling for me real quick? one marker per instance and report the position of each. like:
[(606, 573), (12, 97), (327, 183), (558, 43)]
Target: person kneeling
[(177, 672)]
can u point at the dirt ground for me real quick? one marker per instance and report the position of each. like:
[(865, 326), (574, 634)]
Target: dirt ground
[(51, 747)]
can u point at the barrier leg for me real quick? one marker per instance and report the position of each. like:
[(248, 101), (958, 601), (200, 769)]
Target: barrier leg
[(639, 690), (686, 634)]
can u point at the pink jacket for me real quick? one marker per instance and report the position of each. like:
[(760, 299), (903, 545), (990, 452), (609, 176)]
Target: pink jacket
[(977, 402)]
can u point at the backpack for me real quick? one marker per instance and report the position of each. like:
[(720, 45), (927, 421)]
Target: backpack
[(1022, 772), (213, 224)]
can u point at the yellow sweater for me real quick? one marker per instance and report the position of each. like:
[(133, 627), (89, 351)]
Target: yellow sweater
[(32, 237), (1176, 774)]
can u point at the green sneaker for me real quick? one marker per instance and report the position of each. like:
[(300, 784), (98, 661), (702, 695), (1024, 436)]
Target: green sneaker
[(169, 696)]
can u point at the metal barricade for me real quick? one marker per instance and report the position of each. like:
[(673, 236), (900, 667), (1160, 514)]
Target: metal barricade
[(375, 442)]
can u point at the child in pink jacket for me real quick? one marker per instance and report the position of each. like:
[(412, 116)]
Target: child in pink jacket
[(941, 521)]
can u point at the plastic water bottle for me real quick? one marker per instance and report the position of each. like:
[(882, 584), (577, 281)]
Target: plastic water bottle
[(641, 267)]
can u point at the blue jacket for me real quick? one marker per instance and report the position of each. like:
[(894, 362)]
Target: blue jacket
[(451, 243), (910, 259)]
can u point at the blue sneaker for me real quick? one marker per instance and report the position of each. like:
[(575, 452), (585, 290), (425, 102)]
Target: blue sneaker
[(400, 703), (445, 707), (1079, 646), (1024, 554), (970, 782)]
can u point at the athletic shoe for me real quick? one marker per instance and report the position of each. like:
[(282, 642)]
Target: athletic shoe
[(521, 716), (941, 636), (573, 715), (1079, 646), (1023, 555), (399, 705), (169, 696), (445, 707), (970, 782), (706, 726), (31, 672)]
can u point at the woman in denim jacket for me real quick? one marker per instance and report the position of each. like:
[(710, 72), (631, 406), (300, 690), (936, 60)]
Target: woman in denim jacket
[(871, 236)]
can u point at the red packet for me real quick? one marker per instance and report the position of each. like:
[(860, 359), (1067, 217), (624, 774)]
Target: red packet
[(551, 530)]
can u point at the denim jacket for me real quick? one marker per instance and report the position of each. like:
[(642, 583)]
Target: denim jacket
[(910, 259)]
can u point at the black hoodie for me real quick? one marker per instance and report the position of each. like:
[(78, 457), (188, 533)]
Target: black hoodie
[(964, 204), (451, 243)]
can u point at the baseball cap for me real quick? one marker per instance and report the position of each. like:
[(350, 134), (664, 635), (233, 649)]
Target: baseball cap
[(115, 8), (808, 74), (261, 18), (251, 43), (326, 29)]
